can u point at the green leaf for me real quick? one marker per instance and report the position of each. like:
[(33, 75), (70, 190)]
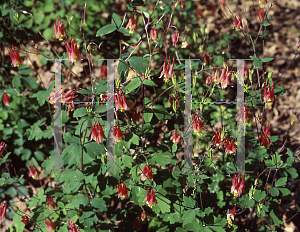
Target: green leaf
[(139, 64), (134, 83), (107, 29), (30, 82), (16, 81), (275, 219), (41, 97), (164, 204), (127, 161), (161, 113), (259, 195), (281, 181), (80, 112), (267, 59), (285, 191), (148, 115), (99, 204), (188, 216), (265, 24), (124, 31), (149, 82), (293, 119), (254, 58), (257, 64), (116, 20), (274, 191), (69, 138), (40, 156)]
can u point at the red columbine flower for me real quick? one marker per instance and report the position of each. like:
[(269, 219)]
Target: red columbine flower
[(218, 138), (72, 49), (197, 125), (237, 185), (185, 44), (150, 198), (153, 34), (97, 132), (15, 57), (241, 114), (103, 97), (6, 99), (103, 71), (137, 224), (143, 215), (2, 147), (59, 30), (122, 190), (222, 4), (269, 96), (244, 73), (50, 225), (132, 23), (24, 219), (118, 135), (229, 146), (198, 14), (206, 57), (238, 22), (261, 14), (225, 77), (51, 203), (135, 114), (182, 4), (265, 134), (175, 38), (72, 226), (32, 172), (146, 173), (175, 137), (61, 96), (121, 101), (167, 71), (3, 208), (230, 216)]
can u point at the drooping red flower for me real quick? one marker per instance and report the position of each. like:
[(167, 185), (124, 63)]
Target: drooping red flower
[(2, 148), (198, 14), (238, 22), (3, 208), (132, 23), (222, 4), (6, 99), (244, 73), (182, 4), (229, 146), (150, 198), (206, 57), (175, 38), (120, 100), (137, 224), (72, 226), (269, 95), (218, 138), (261, 14), (241, 114), (265, 134), (146, 173), (32, 172), (103, 71), (63, 97), (143, 215), (175, 137), (225, 77), (167, 71), (154, 34), (197, 125), (122, 190), (230, 217), (103, 97), (261, 2), (237, 185), (50, 225), (118, 135), (51, 203), (135, 114), (72, 50), (24, 219), (185, 44), (97, 132), (15, 57), (59, 30)]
